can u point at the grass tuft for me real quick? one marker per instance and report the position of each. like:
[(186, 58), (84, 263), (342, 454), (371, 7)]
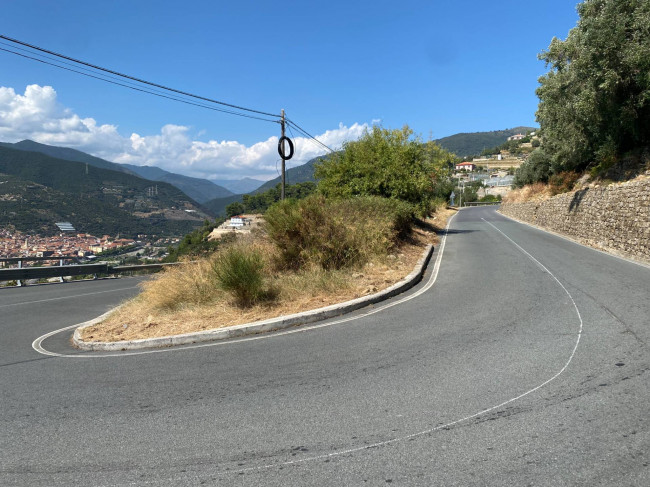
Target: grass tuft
[(239, 270)]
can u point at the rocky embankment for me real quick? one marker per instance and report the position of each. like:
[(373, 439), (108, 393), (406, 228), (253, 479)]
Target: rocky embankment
[(615, 218)]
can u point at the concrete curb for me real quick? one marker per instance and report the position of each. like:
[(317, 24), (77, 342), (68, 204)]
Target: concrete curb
[(273, 324)]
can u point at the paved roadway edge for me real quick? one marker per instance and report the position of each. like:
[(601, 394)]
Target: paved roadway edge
[(583, 243), (273, 324)]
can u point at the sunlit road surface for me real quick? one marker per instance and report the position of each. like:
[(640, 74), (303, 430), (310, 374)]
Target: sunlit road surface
[(525, 363)]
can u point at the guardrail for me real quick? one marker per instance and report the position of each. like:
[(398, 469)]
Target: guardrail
[(20, 274), (481, 203)]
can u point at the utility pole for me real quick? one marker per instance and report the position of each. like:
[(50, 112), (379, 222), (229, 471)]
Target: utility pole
[(282, 153), (283, 144)]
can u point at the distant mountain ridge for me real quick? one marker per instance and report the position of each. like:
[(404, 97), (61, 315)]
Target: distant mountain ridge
[(38, 190), (298, 174), (200, 190), (215, 198), (471, 144), (240, 186)]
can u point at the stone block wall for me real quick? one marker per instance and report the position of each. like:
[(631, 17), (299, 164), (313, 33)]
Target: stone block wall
[(615, 218)]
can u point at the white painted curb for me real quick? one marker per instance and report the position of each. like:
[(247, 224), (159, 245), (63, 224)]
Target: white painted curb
[(279, 323)]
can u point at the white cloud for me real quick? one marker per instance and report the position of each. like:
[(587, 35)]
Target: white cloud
[(38, 116)]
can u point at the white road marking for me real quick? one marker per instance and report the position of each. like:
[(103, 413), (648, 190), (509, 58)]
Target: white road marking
[(466, 418), (442, 426), (66, 297), (37, 344), (577, 242)]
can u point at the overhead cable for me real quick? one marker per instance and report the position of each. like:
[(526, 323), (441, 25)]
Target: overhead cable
[(140, 89), (133, 78), (304, 132)]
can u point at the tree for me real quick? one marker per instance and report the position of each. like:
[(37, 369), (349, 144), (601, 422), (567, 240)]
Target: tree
[(387, 163), (234, 209), (595, 100), (535, 168)]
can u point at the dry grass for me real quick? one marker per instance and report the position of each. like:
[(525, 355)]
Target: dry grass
[(565, 182), (186, 298), (531, 192)]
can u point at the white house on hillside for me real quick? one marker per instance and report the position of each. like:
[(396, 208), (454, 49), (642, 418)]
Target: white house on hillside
[(468, 166), (236, 222), (516, 137)]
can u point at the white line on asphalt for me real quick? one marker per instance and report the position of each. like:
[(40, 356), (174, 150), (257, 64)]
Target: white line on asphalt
[(452, 423), (466, 418), (66, 297), (37, 344), (577, 242)]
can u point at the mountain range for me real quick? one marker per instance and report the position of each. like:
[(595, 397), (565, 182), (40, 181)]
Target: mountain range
[(200, 190), (240, 186), (298, 174), (472, 144), (37, 190), (41, 184)]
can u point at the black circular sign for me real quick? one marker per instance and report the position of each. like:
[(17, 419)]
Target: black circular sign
[(281, 148)]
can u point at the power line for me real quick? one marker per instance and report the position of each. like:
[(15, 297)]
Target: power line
[(142, 90), (59, 62), (303, 131), (124, 80), (133, 78)]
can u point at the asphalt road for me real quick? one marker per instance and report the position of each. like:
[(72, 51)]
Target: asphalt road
[(526, 363)]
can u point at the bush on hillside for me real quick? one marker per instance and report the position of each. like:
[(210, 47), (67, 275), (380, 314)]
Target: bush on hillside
[(563, 182), (197, 243), (536, 168), (390, 164), (336, 233)]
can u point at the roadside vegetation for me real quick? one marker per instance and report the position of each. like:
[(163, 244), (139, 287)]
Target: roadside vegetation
[(260, 202), (362, 229), (594, 109)]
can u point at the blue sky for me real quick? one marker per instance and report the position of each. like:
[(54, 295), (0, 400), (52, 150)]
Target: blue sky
[(337, 67)]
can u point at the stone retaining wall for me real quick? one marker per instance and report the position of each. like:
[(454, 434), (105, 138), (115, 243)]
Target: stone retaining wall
[(615, 218)]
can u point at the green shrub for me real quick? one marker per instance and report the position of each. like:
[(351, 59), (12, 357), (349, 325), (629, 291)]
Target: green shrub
[(387, 163), (490, 198), (239, 271), (336, 233)]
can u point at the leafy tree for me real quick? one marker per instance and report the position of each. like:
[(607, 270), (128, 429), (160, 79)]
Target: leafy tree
[(234, 209), (535, 168), (595, 100), (387, 163)]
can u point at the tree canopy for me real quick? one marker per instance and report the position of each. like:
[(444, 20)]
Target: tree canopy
[(595, 100), (387, 163)]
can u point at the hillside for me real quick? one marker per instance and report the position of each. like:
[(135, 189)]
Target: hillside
[(299, 174), (200, 190), (240, 186), (217, 206), (66, 154), (469, 144), (39, 190)]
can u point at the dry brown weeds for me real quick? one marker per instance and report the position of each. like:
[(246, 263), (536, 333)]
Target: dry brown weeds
[(531, 192), (184, 299)]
